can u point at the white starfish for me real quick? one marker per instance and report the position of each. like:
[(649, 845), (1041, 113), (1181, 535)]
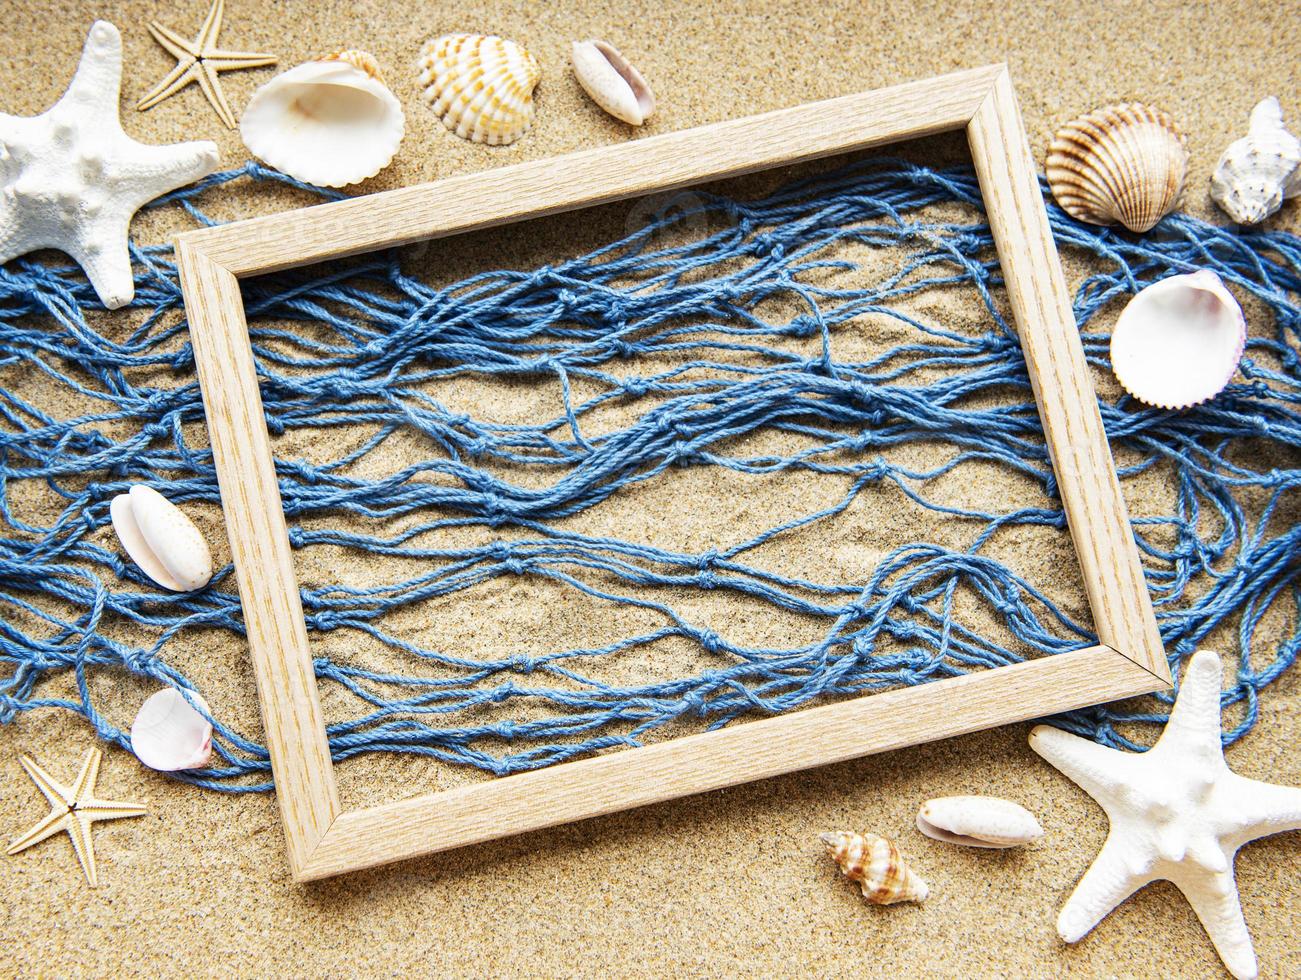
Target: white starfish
[(1177, 813), (71, 179)]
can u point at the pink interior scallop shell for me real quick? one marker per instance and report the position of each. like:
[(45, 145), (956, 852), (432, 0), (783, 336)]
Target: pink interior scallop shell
[(1179, 341), (169, 735)]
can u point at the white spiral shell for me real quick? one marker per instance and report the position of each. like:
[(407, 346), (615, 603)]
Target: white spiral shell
[(1256, 173)]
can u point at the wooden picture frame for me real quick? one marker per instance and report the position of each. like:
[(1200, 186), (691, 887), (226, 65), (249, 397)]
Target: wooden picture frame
[(323, 839)]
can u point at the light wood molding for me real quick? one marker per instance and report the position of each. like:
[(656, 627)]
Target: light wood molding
[(323, 840)]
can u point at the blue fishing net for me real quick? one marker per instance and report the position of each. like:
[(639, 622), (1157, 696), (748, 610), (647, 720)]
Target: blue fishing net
[(674, 320)]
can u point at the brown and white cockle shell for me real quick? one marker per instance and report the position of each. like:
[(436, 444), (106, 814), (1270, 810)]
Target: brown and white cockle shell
[(1256, 173), (878, 866), (1123, 164), (480, 86), (978, 821)]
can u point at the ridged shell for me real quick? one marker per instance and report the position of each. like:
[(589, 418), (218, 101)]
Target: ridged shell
[(612, 82), (878, 867), (328, 122), (1179, 340), (978, 821), (1123, 164), (1256, 173), (480, 86)]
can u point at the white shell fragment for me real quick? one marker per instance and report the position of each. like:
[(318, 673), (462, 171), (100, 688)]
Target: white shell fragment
[(978, 821), (1256, 173), (480, 86), (1179, 340), (161, 540), (330, 122), (169, 735), (71, 179), (614, 84)]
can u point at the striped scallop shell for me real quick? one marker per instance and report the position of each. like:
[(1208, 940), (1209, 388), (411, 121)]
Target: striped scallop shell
[(480, 85), (878, 867), (1123, 164)]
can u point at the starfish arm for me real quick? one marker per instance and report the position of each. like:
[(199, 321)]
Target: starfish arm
[(1214, 897), (110, 809), (142, 172), (54, 822), (175, 45), (212, 89), (98, 81), (231, 60), (84, 784), (1194, 724), (175, 80), (1266, 808), (79, 831), (1108, 882), (1091, 766), (211, 25), (60, 796), (103, 255)]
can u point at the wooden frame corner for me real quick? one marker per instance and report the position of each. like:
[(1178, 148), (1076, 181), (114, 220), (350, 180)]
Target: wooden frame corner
[(323, 839)]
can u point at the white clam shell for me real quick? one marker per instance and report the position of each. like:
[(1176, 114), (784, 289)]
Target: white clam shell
[(169, 735), (978, 821), (161, 540), (614, 84), (330, 122), (1179, 340), (1256, 173), (480, 86)]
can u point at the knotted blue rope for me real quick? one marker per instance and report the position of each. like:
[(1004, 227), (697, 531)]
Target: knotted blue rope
[(609, 322)]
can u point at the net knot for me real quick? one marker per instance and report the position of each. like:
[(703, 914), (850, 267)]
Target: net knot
[(710, 641), (523, 664), (635, 387)]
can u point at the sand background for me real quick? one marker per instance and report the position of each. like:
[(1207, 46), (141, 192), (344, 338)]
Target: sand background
[(730, 882)]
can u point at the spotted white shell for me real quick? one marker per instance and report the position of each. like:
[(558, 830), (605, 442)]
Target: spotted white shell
[(169, 735), (1179, 340), (329, 122), (1123, 164), (612, 82), (883, 874), (480, 86), (1256, 173), (978, 821), (161, 540)]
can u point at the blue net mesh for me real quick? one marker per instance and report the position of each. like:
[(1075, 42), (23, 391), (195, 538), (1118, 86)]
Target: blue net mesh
[(674, 325)]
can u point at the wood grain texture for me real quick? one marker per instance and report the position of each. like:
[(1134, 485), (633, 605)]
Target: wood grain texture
[(532, 190), (259, 545), (737, 754), (323, 842), (1068, 406)]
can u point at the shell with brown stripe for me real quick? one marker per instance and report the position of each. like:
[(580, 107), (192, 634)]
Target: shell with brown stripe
[(878, 867)]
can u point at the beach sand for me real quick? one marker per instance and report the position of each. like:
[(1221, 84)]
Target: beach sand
[(732, 882)]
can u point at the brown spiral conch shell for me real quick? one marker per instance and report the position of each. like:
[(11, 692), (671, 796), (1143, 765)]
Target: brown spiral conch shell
[(1124, 164), (878, 866)]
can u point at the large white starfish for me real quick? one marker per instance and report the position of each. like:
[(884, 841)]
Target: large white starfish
[(1177, 813), (71, 179)]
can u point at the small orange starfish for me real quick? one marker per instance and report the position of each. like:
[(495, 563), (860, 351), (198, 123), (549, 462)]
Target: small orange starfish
[(73, 809)]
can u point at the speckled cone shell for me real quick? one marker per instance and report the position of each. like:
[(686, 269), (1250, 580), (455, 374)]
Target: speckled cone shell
[(1124, 164), (480, 86), (878, 867)]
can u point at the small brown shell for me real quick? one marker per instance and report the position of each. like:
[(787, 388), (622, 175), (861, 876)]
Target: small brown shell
[(878, 867), (1122, 164)]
